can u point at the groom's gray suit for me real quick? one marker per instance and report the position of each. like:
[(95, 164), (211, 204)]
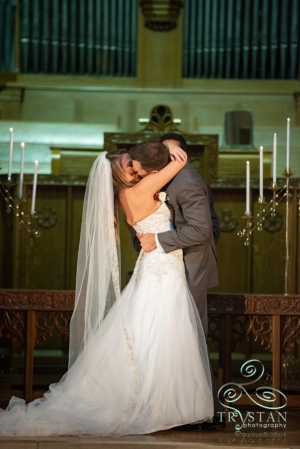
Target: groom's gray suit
[(192, 219), (189, 203)]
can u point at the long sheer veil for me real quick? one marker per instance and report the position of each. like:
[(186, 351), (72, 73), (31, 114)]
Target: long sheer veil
[(97, 277), (98, 274)]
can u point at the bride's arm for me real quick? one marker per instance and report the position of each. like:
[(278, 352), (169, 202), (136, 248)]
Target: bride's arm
[(176, 152)]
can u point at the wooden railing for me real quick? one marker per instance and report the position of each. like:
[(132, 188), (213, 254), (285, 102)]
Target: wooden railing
[(274, 320)]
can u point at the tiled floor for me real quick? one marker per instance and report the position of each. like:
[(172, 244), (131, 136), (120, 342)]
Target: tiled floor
[(262, 431)]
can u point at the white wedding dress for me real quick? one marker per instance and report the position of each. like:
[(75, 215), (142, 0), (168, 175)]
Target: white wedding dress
[(102, 394)]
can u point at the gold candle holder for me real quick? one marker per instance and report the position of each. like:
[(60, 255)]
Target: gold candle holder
[(256, 222), (287, 173), (17, 206)]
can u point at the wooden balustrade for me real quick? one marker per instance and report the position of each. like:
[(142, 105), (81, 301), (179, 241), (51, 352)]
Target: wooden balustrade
[(27, 316)]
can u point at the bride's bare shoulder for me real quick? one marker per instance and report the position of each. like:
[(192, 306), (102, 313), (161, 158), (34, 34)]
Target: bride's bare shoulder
[(134, 192), (133, 204)]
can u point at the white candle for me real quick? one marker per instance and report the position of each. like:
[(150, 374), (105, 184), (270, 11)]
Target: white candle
[(288, 145), (36, 166), (261, 172), (21, 171), (247, 188), (274, 157), (11, 145)]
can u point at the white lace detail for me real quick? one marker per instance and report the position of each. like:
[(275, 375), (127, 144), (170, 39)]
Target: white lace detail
[(157, 263)]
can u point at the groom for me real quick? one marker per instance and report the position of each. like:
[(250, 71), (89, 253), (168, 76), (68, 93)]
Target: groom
[(189, 204)]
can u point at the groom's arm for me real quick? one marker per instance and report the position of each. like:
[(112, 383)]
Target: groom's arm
[(197, 225), (135, 239), (214, 216)]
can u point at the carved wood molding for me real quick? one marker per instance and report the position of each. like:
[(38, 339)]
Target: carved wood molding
[(237, 304), (51, 180), (161, 16), (218, 303), (37, 300), (253, 304), (261, 328), (228, 220), (272, 304), (240, 183), (47, 323), (290, 332), (12, 326)]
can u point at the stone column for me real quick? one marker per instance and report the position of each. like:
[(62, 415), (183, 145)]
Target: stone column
[(159, 50), (11, 97)]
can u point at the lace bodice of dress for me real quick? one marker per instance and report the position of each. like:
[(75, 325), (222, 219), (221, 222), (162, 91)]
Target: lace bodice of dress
[(157, 262), (159, 221)]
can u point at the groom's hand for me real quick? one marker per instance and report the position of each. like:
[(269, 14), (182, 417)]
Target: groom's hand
[(147, 241)]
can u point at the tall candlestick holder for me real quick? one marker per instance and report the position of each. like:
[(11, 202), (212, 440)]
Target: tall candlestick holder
[(287, 173), (256, 222), (18, 207)]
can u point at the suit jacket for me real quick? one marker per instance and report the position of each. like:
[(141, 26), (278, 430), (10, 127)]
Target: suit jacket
[(189, 203), (214, 216)]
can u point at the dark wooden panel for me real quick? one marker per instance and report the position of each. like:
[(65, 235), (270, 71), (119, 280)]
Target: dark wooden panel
[(50, 263), (6, 239), (268, 253), (45, 260), (233, 255), (74, 229)]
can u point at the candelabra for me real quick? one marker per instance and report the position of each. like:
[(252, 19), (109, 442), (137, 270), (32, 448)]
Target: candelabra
[(256, 222), (265, 209), (17, 207)]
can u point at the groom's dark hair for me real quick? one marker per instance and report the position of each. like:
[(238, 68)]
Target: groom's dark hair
[(151, 154), (177, 137)]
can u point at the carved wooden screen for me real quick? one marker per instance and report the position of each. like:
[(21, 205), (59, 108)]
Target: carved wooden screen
[(202, 148)]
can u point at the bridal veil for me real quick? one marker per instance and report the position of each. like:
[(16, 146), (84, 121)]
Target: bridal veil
[(98, 265)]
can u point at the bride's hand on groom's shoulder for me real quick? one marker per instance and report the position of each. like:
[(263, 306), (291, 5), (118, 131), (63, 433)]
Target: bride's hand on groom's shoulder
[(176, 152)]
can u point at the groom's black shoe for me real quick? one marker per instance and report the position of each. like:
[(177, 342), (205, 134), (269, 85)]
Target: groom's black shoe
[(215, 424)]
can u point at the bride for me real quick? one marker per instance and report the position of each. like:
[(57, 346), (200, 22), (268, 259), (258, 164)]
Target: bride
[(138, 360)]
